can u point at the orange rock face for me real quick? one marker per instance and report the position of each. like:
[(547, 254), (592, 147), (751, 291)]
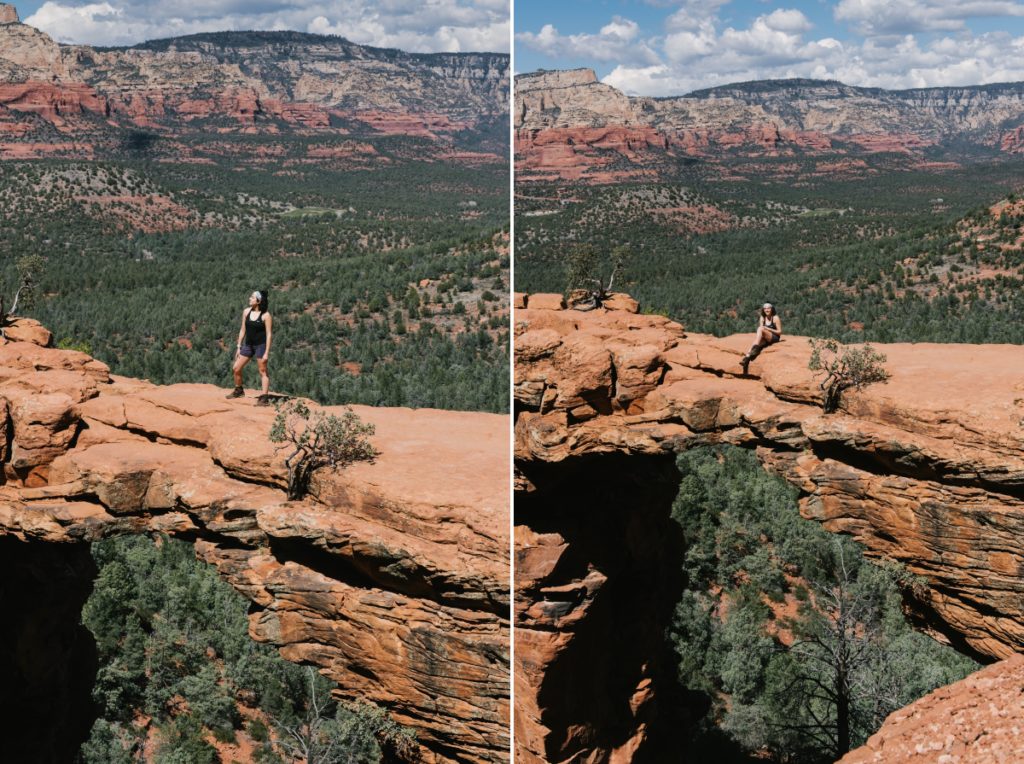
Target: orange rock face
[(975, 720), (926, 469), (52, 102), (392, 577)]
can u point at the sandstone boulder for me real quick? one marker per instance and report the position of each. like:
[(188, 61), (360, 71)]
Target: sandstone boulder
[(546, 301)]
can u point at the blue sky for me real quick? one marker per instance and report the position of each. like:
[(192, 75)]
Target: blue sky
[(414, 25), (666, 47)]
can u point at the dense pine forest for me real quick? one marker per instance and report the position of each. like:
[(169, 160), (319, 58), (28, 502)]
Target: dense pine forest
[(899, 256), (387, 276)]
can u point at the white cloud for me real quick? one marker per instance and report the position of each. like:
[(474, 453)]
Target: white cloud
[(884, 17), (615, 42), (902, 47), (787, 20), (412, 25)]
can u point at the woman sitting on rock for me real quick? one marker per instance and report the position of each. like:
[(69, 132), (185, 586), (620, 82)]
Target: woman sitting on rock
[(769, 331), (254, 342)]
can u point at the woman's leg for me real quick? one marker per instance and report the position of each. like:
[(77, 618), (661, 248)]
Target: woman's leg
[(264, 377), (762, 338), (240, 363)]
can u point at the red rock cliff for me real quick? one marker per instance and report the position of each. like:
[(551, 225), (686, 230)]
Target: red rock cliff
[(927, 469), (391, 577)]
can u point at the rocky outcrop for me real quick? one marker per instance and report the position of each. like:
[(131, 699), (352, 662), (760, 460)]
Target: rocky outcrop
[(926, 469), (975, 720), (770, 119), (391, 578), (244, 82)]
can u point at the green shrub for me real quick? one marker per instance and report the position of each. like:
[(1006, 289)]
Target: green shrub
[(319, 440), (844, 368)]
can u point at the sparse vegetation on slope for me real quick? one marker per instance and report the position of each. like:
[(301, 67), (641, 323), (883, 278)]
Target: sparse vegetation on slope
[(387, 287)]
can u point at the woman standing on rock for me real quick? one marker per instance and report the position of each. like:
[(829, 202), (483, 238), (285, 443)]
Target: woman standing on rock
[(254, 342), (769, 331)]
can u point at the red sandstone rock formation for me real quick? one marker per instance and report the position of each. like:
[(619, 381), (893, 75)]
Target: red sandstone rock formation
[(975, 721), (1012, 141), (391, 577), (246, 85), (927, 469), (52, 102), (556, 113)]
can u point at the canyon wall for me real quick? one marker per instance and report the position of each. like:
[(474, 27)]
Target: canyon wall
[(570, 126), (236, 82), (391, 577), (926, 469)]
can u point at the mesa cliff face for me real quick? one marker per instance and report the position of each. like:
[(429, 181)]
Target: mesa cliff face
[(391, 578), (52, 95), (570, 126), (926, 469)]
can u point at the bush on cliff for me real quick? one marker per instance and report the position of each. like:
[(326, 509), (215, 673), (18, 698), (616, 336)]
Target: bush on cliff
[(28, 268), (844, 368), (587, 287), (319, 440)]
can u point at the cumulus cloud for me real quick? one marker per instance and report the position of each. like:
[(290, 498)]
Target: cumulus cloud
[(616, 41), (412, 25), (898, 44)]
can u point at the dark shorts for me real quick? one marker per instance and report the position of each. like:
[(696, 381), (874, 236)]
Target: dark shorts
[(254, 350)]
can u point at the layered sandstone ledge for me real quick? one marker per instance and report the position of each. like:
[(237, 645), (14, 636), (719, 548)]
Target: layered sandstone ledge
[(392, 577), (926, 469)]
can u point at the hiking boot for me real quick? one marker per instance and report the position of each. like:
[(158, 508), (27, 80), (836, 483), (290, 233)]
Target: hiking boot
[(238, 392), (745, 364), (263, 400)]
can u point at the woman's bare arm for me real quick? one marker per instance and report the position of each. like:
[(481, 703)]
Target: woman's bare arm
[(268, 321)]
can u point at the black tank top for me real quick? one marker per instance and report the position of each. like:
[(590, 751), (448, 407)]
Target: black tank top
[(255, 330), (766, 322)]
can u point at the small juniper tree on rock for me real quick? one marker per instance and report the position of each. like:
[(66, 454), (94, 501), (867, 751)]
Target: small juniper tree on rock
[(845, 368), (28, 268), (319, 440), (586, 287)]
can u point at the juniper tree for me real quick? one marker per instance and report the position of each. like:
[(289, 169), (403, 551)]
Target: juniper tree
[(28, 268), (845, 368), (319, 440)]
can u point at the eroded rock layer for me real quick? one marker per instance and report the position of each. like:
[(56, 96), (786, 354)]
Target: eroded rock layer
[(71, 100), (570, 126), (926, 469), (392, 577)]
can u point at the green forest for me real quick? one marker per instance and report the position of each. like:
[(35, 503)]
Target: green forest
[(388, 283), (181, 682), (888, 259), (798, 643)]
